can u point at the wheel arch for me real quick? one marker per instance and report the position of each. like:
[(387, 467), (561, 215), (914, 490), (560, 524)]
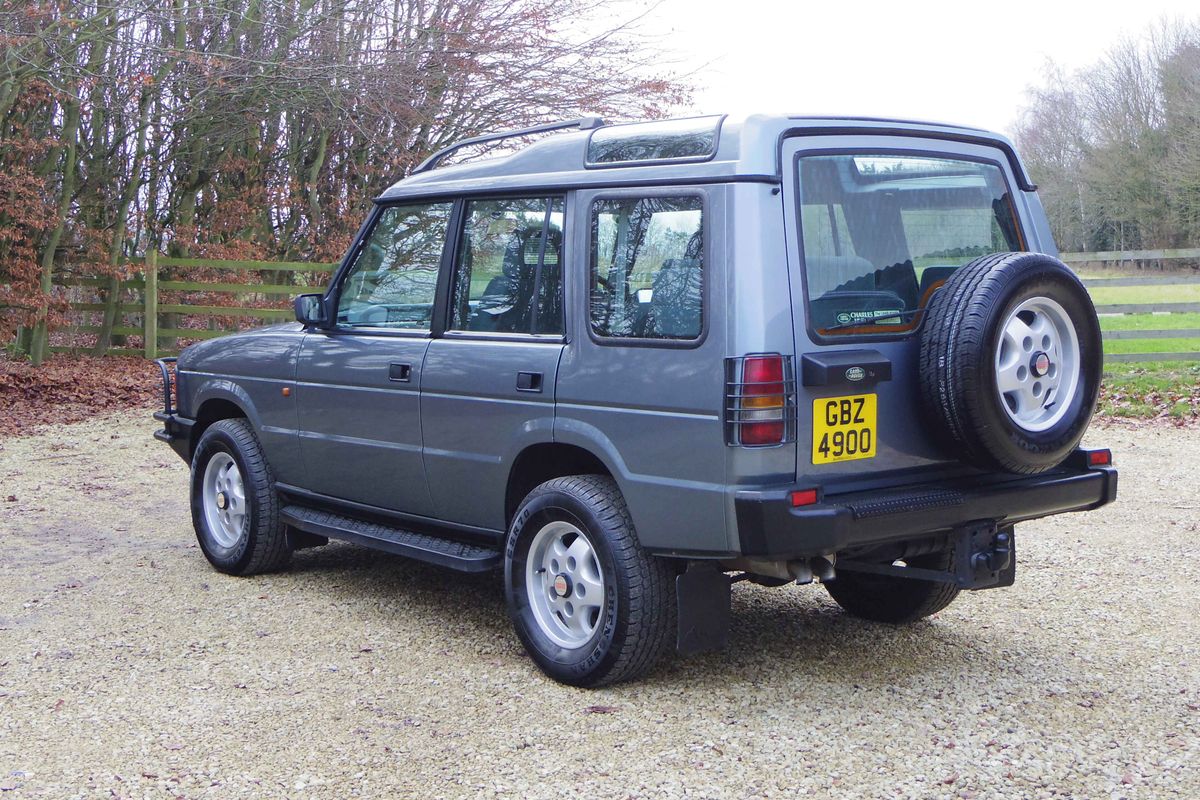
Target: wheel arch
[(217, 401), (545, 461)]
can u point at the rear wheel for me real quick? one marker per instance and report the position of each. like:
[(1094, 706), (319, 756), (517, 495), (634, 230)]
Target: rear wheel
[(590, 606), (898, 601)]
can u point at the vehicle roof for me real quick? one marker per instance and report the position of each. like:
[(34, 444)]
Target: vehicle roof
[(747, 149)]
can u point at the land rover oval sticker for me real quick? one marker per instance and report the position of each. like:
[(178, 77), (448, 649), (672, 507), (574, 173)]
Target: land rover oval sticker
[(855, 374)]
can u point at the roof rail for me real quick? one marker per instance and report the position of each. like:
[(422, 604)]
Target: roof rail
[(583, 124)]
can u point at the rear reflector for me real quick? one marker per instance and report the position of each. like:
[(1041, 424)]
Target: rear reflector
[(1099, 458), (803, 497)]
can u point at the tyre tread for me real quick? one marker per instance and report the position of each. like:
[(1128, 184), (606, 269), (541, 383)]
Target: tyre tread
[(894, 600), (954, 355)]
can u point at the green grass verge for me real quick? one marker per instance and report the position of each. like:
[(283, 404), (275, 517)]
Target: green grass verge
[(1181, 293), (1152, 346), (1148, 322), (1152, 390)]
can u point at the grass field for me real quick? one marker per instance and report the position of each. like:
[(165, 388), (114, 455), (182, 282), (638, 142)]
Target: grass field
[(1151, 322), (1152, 389), (1168, 389), (1148, 322), (1152, 346), (1167, 293)]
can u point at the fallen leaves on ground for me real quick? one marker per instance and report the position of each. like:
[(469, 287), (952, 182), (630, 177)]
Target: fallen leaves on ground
[(1179, 406), (71, 388)]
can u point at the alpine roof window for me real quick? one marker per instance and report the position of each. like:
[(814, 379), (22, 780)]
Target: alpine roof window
[(651, 142)]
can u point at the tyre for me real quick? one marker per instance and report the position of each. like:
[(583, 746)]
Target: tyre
[(590, 606), (234, 506), (1010, 363), (897, 601)]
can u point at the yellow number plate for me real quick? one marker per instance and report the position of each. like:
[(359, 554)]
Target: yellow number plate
[(843, 428)]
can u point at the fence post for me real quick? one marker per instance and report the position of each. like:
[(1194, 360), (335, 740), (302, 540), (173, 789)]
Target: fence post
[(150, 294)]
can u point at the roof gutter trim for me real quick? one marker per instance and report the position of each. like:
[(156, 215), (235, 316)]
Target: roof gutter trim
[(430, 191)]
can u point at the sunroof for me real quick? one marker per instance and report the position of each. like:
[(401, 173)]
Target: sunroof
[(654, 142)]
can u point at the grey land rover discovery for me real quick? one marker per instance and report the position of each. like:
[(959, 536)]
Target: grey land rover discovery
[(630, 365)]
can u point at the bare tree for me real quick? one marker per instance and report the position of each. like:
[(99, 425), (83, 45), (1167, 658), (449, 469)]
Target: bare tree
[(1115, 146), (261, 128)]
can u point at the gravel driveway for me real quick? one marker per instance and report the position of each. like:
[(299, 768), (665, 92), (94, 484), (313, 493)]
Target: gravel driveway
[(128, 668)]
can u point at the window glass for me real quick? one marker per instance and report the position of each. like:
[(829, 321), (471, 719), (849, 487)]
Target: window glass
[(881, 232), (665, 140), (647, 267), (393, 281), (825, 229), (511, 253), (957, 235)]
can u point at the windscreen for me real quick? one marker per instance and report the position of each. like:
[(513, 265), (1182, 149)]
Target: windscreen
[(880, 232)]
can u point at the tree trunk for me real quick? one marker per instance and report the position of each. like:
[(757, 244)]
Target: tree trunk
[(112, 303), (40, 344)]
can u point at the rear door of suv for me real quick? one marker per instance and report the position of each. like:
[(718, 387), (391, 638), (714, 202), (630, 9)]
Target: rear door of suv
[(875, 224), (641, 382)]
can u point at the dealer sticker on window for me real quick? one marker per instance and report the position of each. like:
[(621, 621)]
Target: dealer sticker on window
[(843, 428), (846, 317)]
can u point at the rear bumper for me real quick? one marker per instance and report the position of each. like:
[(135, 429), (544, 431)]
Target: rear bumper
[(177, 432), (768, 525)]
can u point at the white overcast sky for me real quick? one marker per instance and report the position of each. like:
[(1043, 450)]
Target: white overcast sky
[(963, 62)]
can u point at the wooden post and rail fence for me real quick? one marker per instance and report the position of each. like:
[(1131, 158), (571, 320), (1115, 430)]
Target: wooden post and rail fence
[(192, 309)]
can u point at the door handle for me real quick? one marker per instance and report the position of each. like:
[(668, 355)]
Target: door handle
[(401, 373), (529, 381)]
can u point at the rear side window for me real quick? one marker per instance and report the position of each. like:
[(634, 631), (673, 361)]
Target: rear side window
[(647, 268), (393, 280), (508, 276), (881, 232)]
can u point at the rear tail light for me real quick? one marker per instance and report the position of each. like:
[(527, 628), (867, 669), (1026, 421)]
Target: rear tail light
[(760, 400), (1099, 458)]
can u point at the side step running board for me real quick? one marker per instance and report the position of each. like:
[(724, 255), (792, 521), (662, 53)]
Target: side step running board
[(419, 546)]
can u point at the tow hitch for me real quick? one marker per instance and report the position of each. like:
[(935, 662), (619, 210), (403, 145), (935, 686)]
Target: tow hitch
[(985, 557)]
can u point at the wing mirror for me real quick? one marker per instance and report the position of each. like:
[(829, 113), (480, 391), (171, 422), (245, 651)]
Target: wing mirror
[(310, 310)]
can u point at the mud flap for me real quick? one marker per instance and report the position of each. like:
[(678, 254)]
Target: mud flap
[(703, 598)]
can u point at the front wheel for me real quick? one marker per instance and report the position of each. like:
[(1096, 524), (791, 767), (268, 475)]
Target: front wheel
[(234, 506), (590, 606)]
